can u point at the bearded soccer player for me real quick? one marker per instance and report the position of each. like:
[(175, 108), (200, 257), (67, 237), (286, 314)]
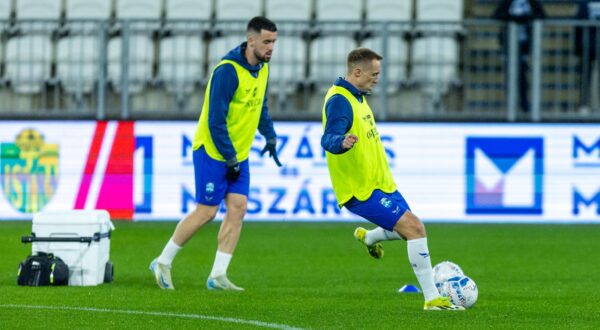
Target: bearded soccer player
[(235, 106), (361, 176)]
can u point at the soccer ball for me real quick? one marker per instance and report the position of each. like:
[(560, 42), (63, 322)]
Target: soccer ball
[(461, 290), (445, 270)]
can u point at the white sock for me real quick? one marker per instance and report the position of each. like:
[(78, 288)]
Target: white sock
[(418, 256), (379, 234), (168, 253), (221, 263)]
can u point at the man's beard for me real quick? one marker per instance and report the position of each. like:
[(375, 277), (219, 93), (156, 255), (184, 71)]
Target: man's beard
[(261, 57)]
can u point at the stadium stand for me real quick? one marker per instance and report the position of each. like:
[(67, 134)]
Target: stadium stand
[(327, 62), (5, 13), (393, 10), (138, 9), (328, 58), (188, 9), (485, 87), (5, 9), (435, 52), (439, 10), (459, 59), (88, 9), (139, 62), (237, 9), (484, 79), (395, 59), (339, 10), (38, 9), (288, 10), (28, 61), (181, 59), (287, 67), (435, 62), (554, 8), (77, 59), (220, 46), (398, 36), (290, 61)]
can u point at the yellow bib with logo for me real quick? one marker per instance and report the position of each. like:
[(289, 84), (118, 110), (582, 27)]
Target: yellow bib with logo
[(364, 168), (243, 114)]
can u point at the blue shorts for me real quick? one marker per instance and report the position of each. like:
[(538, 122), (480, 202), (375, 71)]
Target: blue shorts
[(381, 209), (211, 183)]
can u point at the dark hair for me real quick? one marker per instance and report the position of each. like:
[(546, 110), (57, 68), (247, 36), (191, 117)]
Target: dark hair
[(361, 55), (260, 23)]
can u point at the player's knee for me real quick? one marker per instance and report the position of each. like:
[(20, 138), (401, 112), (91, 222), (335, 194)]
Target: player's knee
[(204, 214), (414, 227), (211, 217), (419, 229), (239, 207)]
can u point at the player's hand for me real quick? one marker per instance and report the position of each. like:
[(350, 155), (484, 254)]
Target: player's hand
[(349, 141), (271, 147), (233, 172)]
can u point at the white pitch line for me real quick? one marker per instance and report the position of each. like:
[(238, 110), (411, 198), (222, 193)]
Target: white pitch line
[(187, 316)]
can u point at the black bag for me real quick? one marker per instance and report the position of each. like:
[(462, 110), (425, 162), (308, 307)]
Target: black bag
[(43, 269)]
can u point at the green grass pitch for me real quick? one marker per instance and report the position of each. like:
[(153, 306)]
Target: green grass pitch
[(316, 276)]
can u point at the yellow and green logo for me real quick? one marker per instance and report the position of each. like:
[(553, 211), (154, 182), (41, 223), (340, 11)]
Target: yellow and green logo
[(29, 171)]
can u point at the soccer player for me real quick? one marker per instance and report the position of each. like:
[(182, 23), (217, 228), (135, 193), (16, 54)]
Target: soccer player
[(361, 176), (234, 107)]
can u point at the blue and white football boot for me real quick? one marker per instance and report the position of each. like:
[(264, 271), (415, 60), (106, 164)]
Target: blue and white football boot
[(162, 274), (221, 282)]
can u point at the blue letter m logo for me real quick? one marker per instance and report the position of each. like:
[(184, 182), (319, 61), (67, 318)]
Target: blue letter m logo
[(578, 199), (583, 155)]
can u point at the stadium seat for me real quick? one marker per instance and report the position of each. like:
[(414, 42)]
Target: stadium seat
[(28, 62), (287, 67), (435, 59), (338, 10), (388, 10), (328, 58), (77, 63), (140, 10), (5, 9), (237, 9), (2, 47), (87, 9), (439, 10), (188, 9), (447, 13), (436, 53), (218, 47), (181, 63), (288, 10), (394, 61), (141, 48), (140, 60), (38, 9), (435, 66)]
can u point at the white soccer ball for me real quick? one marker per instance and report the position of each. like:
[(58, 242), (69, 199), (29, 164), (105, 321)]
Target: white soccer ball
[(461, 290), (445, 270)]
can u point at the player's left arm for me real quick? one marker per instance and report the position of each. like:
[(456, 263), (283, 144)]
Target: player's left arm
[(338, 122)]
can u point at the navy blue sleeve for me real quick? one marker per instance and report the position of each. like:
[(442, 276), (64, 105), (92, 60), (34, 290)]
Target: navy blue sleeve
[(222, 87), (265, 125), (339, 121)]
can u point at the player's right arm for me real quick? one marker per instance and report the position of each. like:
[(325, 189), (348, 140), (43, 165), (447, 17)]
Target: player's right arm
[(222, 87), (339, 121)]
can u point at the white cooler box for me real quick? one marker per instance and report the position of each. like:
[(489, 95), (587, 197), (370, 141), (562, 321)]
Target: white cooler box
[(81, 238)]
